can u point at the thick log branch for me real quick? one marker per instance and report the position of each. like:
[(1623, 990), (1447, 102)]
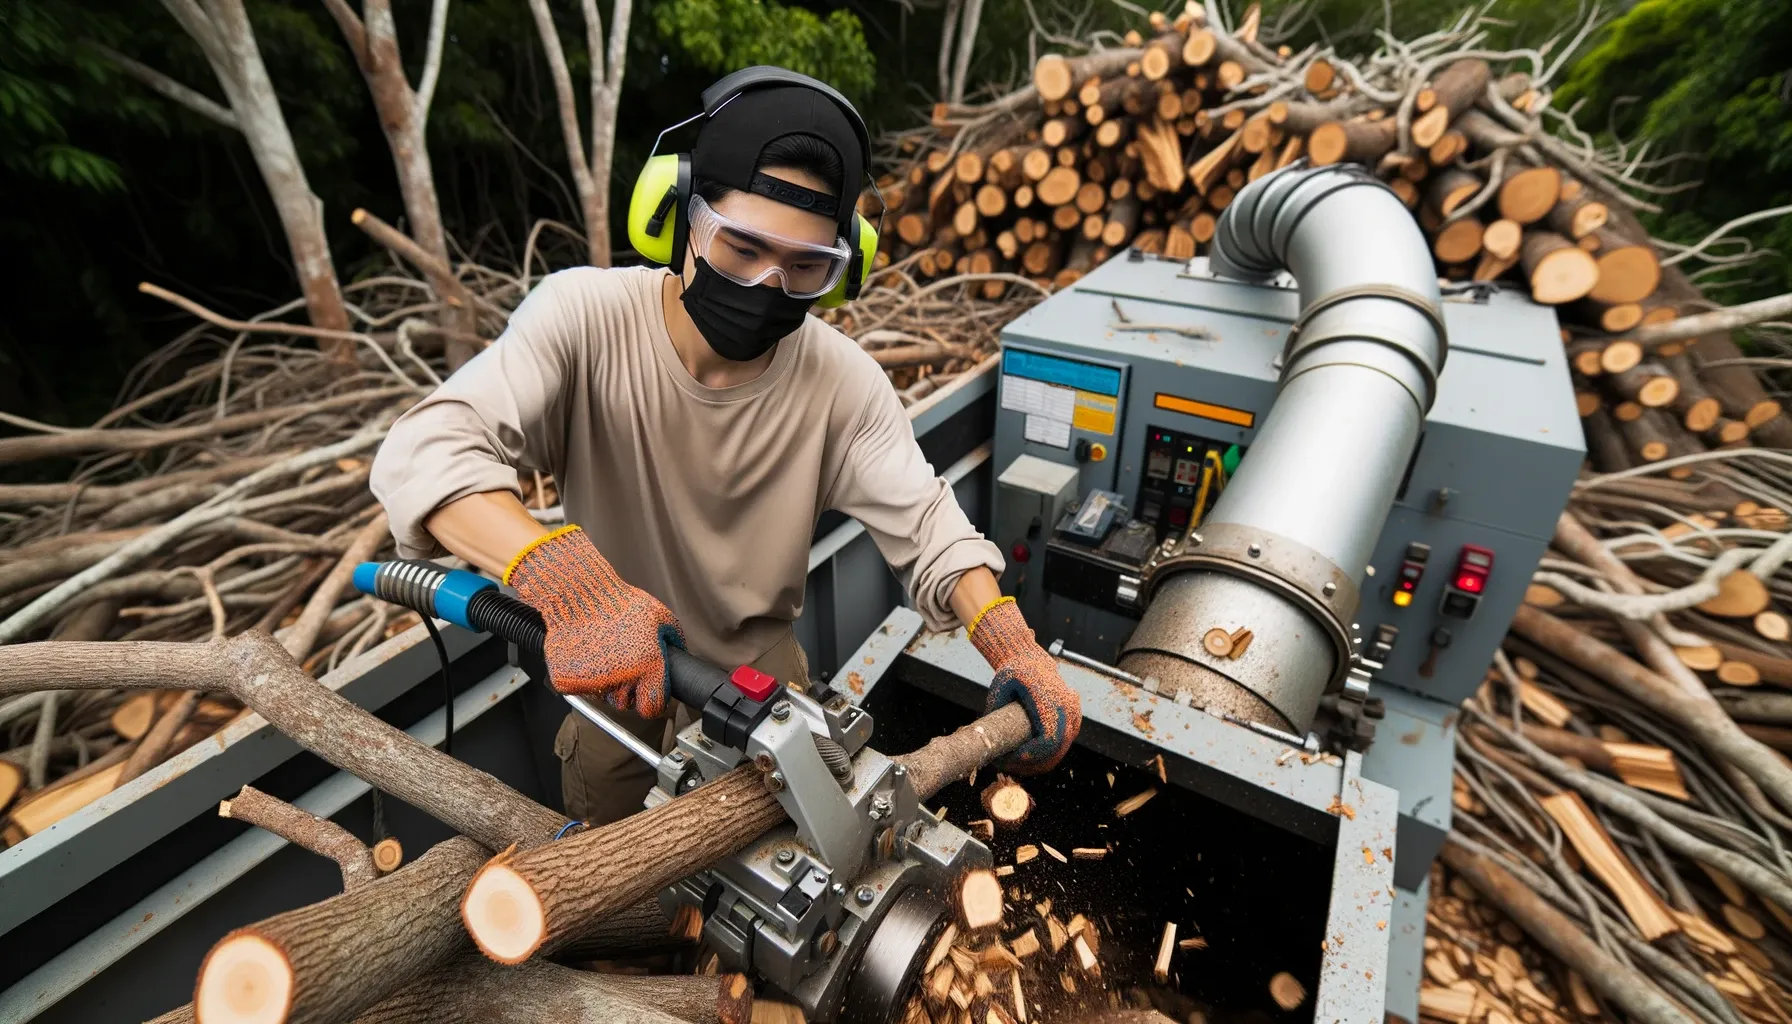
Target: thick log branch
[(257, 671), (331, 960), (538, 900), (472, 990)]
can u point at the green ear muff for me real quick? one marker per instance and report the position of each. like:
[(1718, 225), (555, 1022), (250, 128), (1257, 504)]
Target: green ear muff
[(860, 268), (653, 212)]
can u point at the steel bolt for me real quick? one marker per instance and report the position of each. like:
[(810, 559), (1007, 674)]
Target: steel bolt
[(775, 782), (1329, 589), (826, 943), (689, 783), (865, 895), (839, 889), (781, 711), (1255, 550), (764, 761), (677, 756), (786, 856), (1194, 538), (880, 808), (899, 771)]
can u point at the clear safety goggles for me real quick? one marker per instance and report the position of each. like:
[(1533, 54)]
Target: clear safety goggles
[(749, 256)]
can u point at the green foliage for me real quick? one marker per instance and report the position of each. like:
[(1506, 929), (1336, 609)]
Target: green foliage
[(44, 76), (720, 36), (1706, 78)]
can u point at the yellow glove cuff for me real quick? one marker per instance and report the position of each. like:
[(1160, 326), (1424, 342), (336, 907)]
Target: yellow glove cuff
[(531, 546), (972, 627)]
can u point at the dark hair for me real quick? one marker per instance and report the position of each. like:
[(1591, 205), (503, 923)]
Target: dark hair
[(798, 152)]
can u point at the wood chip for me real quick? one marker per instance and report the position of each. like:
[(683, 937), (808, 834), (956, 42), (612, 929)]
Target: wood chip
[(1085, 957), (1025, 944), (1165, 947), (1055, 933), (1089, 852), (1133, 803), (1286, 991), (1023, 854), (1054, 854), (1193, 943)]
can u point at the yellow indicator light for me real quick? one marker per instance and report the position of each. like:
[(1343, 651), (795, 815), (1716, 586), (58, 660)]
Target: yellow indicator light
[(1098, 452), (1402, 598)]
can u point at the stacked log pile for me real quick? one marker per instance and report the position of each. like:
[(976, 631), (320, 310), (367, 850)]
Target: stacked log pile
[(1144, 146)]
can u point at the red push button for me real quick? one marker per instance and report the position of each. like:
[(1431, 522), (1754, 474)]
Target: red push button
[(1020, 552), (752, 682)]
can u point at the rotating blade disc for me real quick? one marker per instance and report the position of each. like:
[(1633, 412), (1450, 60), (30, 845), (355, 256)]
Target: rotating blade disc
[(891, 963)]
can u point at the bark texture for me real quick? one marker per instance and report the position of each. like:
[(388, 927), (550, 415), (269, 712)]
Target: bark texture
[(350, 951), (473, 990)]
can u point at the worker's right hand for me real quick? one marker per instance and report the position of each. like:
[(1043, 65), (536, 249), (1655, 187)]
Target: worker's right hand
[(1024, 672), (605, 638)]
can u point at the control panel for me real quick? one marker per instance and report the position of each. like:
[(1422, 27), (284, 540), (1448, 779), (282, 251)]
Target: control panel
[(1157, 422), (1183, 476)]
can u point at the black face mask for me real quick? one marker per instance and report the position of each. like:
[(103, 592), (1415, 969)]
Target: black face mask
[(740, 322)]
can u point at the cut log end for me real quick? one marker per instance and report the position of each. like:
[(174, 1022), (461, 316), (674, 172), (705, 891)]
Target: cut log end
[(245, 980), (387, 855), (504, 915), (1740, 595), (1007, 802), (1559, 272), (980, 899)]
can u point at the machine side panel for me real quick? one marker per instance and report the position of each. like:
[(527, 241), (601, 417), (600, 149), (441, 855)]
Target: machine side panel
[(1415, 753), (1476, 465)]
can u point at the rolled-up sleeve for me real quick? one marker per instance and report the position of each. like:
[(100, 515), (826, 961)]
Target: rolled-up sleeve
[(909, 511), (505, 408)]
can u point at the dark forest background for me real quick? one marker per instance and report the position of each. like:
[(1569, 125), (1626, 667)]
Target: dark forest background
[(104, 184)]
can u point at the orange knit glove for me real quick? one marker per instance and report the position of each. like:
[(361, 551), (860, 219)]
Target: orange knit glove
[(1024, 672), (605, 638)]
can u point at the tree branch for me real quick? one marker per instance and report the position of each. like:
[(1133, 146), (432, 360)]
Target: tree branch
[(170, 89), (1715, 322), (967, 41), (563, 95), (256, 670), (353, 31), (432, 60), (228, 502), (301, 828)]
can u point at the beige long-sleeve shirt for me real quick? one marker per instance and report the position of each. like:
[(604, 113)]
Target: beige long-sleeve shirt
[(706, 498)]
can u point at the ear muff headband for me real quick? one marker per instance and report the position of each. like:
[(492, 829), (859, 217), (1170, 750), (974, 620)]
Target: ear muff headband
[(658, 225)]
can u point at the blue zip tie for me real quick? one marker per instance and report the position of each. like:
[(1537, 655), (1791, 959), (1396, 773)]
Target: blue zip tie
[(563, 829)]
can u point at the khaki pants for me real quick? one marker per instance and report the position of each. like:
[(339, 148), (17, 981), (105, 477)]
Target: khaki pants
[(601, 781)]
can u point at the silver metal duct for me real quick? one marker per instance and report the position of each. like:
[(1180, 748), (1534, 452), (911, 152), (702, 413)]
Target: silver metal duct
[(1282, 553)]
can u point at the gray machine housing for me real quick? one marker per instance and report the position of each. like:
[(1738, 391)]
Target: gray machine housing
[(1146, 353)]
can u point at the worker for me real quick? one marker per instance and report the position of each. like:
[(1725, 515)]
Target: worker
[(697, 422)]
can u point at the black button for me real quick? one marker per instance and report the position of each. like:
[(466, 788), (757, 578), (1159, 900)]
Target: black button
[(1459, 605)]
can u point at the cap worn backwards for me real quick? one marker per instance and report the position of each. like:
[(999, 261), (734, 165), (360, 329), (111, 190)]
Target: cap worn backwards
[(731, 141)]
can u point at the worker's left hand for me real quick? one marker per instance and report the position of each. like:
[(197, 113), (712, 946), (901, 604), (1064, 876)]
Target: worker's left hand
[(1025, 673)]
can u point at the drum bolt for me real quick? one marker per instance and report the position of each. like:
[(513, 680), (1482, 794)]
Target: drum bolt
[(786, 856), (865, 895), (781, 711)]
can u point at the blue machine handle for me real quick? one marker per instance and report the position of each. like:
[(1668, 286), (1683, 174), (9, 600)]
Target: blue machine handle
[(475, 603)]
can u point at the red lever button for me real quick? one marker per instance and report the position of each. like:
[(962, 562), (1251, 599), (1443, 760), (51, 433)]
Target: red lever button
[(752, 682)]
